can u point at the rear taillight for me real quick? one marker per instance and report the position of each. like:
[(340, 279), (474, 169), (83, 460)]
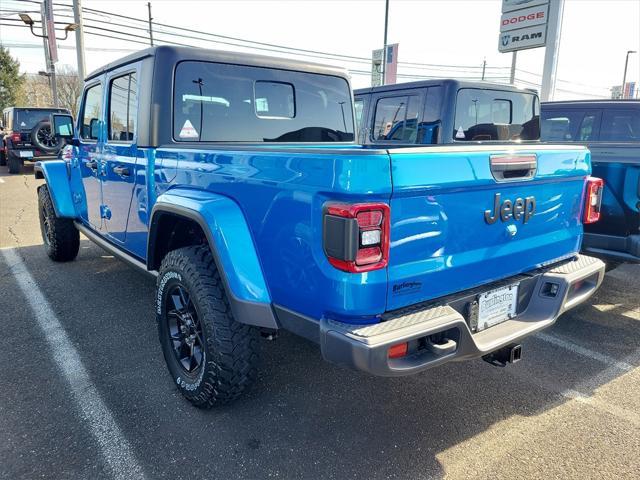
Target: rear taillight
[(16, 137), (593, 199), (356, 237)]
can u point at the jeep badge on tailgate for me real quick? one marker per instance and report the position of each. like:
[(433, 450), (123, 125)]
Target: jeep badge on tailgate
[(507, 209)]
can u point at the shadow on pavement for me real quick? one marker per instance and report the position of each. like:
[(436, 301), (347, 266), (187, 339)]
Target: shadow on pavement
[(304, 417)]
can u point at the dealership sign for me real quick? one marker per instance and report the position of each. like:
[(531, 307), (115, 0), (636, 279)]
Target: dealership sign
[(510, 5), (522, 39), (523, 25), (525, 18)]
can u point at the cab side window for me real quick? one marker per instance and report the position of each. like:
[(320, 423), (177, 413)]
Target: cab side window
[(429, 128), (396, 119), (123, 108), (91, 113)]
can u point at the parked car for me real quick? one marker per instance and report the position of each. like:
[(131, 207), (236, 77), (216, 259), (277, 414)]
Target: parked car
[(26, 136), (611, 131), (235, 180), (446, 111)]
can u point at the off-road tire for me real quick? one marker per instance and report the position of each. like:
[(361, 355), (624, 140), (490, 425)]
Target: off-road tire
[(60, 236), (14, 163), (41, 137), (231, 348)]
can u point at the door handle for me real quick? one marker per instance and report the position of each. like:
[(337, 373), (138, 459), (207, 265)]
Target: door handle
[(122, 171), (92, 164)]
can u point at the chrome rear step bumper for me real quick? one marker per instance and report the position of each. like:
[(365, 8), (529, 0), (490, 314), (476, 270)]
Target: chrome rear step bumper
[(434, 330)]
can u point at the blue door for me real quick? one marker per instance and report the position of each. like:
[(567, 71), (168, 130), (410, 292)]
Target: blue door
[(90, 153), (120, 152)]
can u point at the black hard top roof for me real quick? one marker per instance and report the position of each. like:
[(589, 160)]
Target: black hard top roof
[(599, 102), (239, 58), (444, 81)]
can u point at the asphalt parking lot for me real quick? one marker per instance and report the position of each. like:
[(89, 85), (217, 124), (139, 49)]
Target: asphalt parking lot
[(98, 401)]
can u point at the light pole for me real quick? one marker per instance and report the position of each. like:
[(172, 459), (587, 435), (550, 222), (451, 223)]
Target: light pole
[(384, 48), (51, 67), (624, 77)]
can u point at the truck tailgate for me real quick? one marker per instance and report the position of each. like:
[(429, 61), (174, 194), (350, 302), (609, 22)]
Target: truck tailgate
[(449, 232)]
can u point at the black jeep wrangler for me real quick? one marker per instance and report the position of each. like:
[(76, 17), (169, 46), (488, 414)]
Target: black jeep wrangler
[(26, 136)]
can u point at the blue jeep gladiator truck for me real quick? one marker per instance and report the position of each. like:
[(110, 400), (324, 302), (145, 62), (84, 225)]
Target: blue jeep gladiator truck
[(236, 181), (611, 131)]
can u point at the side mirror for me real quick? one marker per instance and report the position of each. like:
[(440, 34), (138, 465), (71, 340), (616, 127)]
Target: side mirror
[(94, 128), (62, 125)]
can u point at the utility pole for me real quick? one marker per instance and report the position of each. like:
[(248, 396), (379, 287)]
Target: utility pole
[(484, 66), (150, 24), (512, 77), (51, 67), (624, 77), (384, 49), (77, 18), (554, 28)]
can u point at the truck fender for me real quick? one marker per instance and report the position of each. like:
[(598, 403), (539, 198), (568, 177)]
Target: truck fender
[(230, 241), (56, 174)]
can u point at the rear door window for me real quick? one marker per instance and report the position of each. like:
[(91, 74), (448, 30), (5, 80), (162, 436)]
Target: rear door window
[(620, 125), (396, 119), (216, 102), (123, 108), (485, 115)]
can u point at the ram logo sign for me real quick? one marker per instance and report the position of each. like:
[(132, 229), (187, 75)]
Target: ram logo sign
[(522, 39)]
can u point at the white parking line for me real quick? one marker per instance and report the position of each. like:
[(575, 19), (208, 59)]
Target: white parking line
[(1, 180), (115, 449), (585, 352)]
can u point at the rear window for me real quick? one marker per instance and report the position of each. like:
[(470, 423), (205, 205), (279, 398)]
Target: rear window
[(216, 102), (620, 126), (573, 125), (27, 119), (485, 115)]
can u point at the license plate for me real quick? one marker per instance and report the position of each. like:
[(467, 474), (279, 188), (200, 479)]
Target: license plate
[(496, 306), (26, 153)]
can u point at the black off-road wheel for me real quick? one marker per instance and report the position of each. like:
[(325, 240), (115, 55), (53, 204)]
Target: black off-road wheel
[(60, 236), (14, 163), (43, 138), (212, 358)]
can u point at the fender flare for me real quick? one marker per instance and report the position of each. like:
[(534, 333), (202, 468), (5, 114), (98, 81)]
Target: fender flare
[(56, 175), (231, 243)]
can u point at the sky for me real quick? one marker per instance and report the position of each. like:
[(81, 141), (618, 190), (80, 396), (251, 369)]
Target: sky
[(596, 34)]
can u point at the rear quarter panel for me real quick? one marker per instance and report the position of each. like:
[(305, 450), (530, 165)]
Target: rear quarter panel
[(281, 192)]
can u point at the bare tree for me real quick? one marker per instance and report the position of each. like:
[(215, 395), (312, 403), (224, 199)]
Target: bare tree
[(69, 88), (37, 91)]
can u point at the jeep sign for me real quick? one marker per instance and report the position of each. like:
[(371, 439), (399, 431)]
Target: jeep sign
[(525, 18), (522, 39)]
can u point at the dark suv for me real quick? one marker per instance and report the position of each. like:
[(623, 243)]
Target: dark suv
[(26, 136), (611, 130)]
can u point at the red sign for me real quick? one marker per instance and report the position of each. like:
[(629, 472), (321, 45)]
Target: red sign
[(525, 18), (51, 30)]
